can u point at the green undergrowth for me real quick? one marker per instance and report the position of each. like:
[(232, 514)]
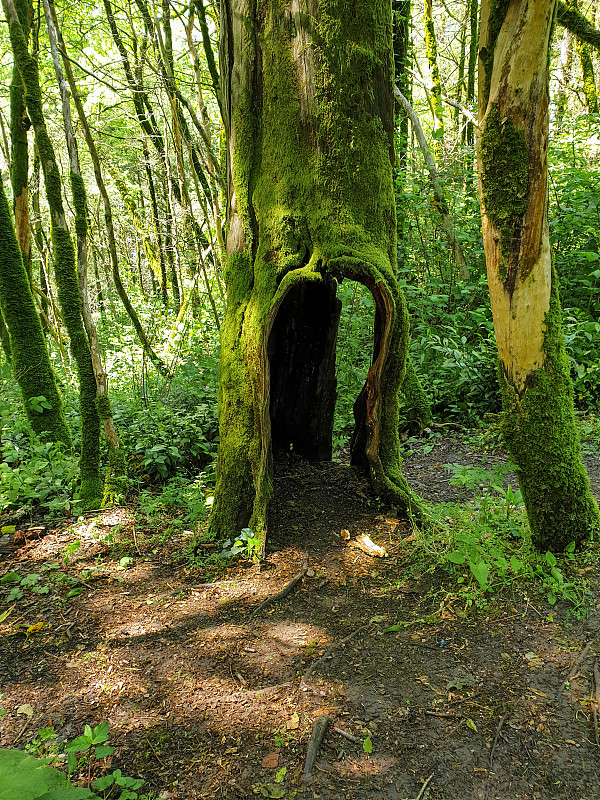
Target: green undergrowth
[(75, 770), (480, 551)]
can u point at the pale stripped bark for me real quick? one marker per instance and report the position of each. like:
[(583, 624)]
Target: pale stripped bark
[(519, 87)]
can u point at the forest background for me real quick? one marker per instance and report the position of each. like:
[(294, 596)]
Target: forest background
[(146, 117)]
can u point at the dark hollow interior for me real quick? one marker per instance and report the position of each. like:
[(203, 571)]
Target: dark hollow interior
[(301, 351)]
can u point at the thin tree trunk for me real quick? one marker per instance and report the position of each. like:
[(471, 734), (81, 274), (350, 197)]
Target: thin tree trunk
[(539, 420), (112, 244), (65, 270), (116, 477), (27, 349), (436, 81), (19, 173), (438, 193)]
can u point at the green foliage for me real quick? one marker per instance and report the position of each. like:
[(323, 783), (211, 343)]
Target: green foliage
[(37, 473), (246, 542), (484, 547), (26, 777)]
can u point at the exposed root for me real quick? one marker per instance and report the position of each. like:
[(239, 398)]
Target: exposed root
[(316, 739), (285, 591)]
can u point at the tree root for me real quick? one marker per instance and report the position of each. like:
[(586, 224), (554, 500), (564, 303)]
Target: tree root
[(318, 734), (284, 592)]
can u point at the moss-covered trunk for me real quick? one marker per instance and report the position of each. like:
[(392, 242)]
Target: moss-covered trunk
[(64, 266), (19, 125), (29, 356), (539, 421), (311, 202)]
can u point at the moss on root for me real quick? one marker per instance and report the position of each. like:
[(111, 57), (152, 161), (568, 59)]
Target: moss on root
[(313, 187), (540, 431)]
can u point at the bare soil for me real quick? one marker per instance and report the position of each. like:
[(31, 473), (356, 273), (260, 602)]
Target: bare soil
[(204, 701)]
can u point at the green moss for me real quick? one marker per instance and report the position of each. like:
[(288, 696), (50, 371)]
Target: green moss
[(79, 204), (540, 431), (505, 181), (116, 481), (29, 356), (315, 195), (103, 406), (497, 13), (65, 272), (417, 402)]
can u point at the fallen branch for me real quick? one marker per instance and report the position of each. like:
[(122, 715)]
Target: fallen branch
[(285, 591), (597, 701), (316, 739), (574, 669), (327, 653), (350, 736)]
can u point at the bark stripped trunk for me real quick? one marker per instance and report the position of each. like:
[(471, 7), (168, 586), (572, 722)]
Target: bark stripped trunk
[(539, 423), (311, 202)]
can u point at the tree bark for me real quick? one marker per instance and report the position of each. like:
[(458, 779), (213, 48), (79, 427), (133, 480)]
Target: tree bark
[(116, 476), (28, 354), (311, 202), (539, 421), (69, 295)]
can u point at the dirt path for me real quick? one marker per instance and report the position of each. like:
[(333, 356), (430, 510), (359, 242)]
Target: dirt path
[(202, 701)]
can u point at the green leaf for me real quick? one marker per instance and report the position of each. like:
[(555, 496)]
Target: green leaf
[(10, 577), (74, 593), (80, 744), (515, 564), (480, 573), (104, 750), (551, 598), (14, 594), (470, 724), (100, 733), (551, 559), (368, 746), (391, 629), (456, 557), (8, 529)]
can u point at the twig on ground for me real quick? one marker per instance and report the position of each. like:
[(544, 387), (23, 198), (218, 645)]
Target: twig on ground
[(350, 736), (493, 752), (597, 701), (316, 739), (21, 732), (441, 714), (574, 669), (424, 789), (328, 652), (285, 591)]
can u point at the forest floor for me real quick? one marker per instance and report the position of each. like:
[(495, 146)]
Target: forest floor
[(204, 700)]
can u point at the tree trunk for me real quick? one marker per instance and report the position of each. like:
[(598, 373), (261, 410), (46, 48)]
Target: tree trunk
[(28, 354), (436, 81), (116, 477), (311, 202), (65, 271), (539, 421)]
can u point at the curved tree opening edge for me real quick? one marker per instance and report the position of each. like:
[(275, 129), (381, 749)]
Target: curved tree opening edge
[(311, 203)]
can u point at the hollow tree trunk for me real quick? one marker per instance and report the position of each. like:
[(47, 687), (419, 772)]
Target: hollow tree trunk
[(539, 421), (311, 202)]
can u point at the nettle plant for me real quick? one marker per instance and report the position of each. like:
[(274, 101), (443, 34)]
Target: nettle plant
[(27, 777)]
